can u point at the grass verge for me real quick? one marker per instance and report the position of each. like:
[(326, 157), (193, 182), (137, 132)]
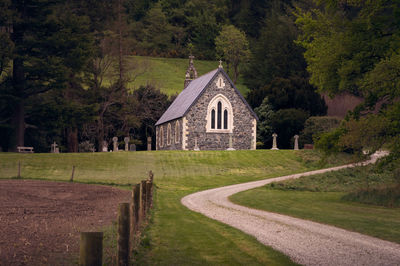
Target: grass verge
[(321, 198)]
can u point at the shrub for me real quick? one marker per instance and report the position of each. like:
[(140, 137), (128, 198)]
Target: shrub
[(315, 126)]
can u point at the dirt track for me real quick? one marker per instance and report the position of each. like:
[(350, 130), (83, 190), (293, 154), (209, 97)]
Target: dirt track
[(40, 221)]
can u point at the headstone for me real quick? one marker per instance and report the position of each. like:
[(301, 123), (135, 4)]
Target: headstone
[(230, 144), (54, 148), (196, 147), (115, 142), (296, 142), (132, 147), (274, 145), (126, 140), (149, 143), (105, 146)]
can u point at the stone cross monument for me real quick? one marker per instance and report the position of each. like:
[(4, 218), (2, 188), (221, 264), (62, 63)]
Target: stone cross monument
[(196, 148), (296, 142), (274, 146), (149, 143), (105, 146), (126, 140), (115, 147), (230, 144)]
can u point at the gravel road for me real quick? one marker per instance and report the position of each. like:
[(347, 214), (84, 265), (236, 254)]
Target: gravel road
[(305, 242)]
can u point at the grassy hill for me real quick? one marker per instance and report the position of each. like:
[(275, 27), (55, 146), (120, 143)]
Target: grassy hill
[(176, 234), (168, 74)]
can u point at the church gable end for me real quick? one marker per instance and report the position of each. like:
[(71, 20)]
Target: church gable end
[(209, 114)]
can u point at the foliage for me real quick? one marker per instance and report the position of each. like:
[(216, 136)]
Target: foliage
[(353, 46), (264, 126), (287, 123), (232, 45), (292, 92), (328, 142), (274, 53), (315, 126)]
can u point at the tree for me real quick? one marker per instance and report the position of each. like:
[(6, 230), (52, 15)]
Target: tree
[(265, 115), (232, 45), (274, 53), (293, 92), (353, 47)]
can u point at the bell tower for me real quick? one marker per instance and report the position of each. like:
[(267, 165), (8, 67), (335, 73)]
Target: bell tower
[(191, 72)]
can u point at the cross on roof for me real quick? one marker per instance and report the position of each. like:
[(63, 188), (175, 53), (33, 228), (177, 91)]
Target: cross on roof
[(220, 64)]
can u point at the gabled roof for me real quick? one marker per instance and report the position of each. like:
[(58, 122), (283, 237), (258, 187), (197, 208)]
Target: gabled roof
[(191, 93)]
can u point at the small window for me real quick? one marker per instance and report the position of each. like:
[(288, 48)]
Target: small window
[(219, 115), (213, 119), (225, 119), (177, 134), (169, 134), (161, 136)]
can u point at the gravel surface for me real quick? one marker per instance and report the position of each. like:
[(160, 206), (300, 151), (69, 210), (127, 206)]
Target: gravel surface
[(305, 242)]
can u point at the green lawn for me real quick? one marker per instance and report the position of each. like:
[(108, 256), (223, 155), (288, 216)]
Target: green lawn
[(168, 74), (176, 235), (319, 198)]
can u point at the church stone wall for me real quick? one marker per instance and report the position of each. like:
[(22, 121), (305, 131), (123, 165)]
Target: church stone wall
[(173, 145), (242, 136)]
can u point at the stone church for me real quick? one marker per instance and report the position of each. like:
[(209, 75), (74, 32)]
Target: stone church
[(209, 114)]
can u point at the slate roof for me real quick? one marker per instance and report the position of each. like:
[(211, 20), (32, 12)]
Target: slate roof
[(191, 93)]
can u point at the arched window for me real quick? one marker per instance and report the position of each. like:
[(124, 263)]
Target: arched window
[(213, 118), (177, 132), (225, 119), (161, 136), (219, 115), (169, 134)]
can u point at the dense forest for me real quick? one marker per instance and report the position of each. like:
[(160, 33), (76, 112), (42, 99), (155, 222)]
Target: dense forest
[(64, 69)]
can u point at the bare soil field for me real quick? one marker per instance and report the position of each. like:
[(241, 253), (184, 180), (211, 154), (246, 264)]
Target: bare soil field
[(40, 221)]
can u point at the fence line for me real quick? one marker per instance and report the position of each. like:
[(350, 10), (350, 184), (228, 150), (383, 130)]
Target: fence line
[(132, 219)]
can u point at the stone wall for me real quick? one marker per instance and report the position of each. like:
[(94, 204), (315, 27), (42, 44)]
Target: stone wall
[(173, 145), (242, 136)]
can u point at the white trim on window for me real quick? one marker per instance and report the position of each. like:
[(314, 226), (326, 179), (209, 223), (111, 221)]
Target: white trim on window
[(169, 134), (219, 115), (177, 132), (161, 137)]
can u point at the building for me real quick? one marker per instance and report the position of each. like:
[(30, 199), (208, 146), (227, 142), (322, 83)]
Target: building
[(209, 114)]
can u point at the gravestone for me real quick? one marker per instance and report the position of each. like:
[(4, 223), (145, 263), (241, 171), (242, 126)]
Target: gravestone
[(132, 147), (54, 148), (115, 142), (230, 144), (149, 143), (126, 140), (105, 146), (296, 142), (274, 145), (196, 148)]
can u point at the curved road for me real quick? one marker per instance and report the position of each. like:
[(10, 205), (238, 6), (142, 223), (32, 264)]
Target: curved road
[(305, 242)]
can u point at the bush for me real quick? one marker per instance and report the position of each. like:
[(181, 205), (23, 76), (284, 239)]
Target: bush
[(86, 146), (315, 126), (287, 123), (386, 196), (328, 142)]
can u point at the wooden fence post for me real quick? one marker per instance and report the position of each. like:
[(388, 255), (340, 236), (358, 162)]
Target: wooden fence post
[(137, 207), (123, 234), (91, 249), (19, 169), (148, 196), (72, 175), (142, 200)]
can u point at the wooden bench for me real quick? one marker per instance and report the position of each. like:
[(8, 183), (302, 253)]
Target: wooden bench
[(25, 149)]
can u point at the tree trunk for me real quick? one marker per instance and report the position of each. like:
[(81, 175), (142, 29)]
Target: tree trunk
[(18, 118), (72, 139)]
